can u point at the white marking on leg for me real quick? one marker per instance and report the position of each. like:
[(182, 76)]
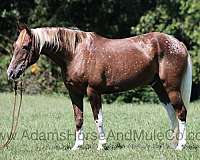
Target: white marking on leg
[(99, 124), (79, 139), (182, 135)]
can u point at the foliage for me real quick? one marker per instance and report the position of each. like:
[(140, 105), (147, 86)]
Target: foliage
[(112, 18), (47, 79), (180, 19)]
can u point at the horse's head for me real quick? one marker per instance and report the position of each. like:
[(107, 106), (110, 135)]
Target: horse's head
[(24, 53)]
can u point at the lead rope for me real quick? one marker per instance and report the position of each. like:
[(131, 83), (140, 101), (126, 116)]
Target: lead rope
[(14, 124)]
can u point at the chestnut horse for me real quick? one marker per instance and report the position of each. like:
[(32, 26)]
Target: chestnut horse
[(94, 65)]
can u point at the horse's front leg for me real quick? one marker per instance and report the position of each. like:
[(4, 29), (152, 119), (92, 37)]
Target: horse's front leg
[(95, 101), (77, 102)]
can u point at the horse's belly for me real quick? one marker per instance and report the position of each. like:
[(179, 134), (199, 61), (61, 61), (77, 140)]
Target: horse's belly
[(122, 70), (128, 77)]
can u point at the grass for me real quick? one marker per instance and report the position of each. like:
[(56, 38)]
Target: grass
[(52, 116)]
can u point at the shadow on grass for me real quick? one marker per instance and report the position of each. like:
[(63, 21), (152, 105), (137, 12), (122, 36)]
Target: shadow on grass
[(118, 145)]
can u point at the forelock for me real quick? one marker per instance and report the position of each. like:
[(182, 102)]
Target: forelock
[(21, 38)]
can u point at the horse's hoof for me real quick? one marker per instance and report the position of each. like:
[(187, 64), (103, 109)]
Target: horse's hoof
[(100, 148), (102, 141), (179, 148), (180, 145), (76, 148), (101, 145)]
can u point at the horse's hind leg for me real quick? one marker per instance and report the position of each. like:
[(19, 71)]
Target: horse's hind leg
[(95, 101), (158, 87), (181, 113), (170, 95)]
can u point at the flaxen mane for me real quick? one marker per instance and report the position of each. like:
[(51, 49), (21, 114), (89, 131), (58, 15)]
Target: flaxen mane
[(56, 38)]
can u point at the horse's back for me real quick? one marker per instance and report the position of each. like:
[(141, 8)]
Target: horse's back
[(112, 65)]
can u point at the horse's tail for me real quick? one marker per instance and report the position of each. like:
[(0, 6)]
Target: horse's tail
[(186, 84)]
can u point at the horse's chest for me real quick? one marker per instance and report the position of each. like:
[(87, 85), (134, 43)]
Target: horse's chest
[(76, 75), (76, 72)]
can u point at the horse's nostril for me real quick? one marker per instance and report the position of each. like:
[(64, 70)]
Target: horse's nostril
[(10, 74), (21, 70)]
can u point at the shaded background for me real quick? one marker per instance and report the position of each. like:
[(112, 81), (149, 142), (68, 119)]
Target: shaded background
[(110, 18)]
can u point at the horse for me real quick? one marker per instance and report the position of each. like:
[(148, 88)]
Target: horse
[(93, 65)]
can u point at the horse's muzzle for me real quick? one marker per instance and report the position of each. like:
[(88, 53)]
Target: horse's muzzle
[(14, 74)]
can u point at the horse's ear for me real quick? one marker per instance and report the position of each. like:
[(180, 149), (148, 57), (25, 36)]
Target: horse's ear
[(22, 26)]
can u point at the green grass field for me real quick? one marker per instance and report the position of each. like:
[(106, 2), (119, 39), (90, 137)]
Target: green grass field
[(46, 131)]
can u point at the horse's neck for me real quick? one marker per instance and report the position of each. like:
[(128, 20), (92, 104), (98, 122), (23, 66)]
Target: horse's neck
[(59, 58), (60, 44), (48, 43)]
